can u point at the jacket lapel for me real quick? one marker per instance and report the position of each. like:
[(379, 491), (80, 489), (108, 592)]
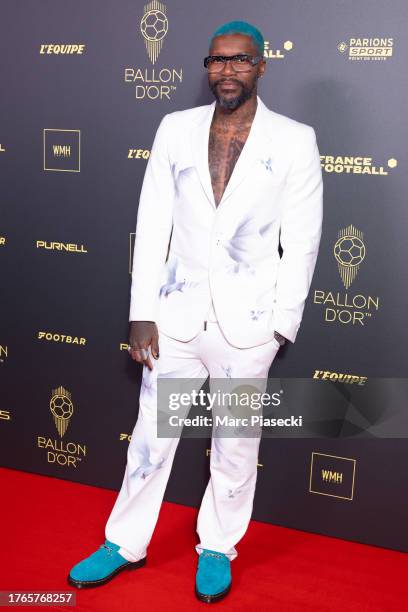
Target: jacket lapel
[(199, 137), (255, 148)]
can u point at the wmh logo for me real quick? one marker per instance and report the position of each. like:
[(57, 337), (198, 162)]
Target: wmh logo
[(332, 475), (329, 476), (61, 150)]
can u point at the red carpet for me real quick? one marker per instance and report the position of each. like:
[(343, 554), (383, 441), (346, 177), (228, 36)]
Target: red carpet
[(48, 525)]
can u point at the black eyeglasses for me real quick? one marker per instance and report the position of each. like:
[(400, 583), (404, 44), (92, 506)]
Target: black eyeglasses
[(240, 63)]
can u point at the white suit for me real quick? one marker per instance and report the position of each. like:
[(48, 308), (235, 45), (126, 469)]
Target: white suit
[(230, 250), (228, 256)]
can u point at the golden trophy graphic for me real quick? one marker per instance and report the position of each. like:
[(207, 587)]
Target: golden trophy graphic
[(154, 26), (62, 409), (349, 252)]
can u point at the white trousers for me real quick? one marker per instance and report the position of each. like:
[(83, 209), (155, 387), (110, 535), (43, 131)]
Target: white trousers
[(227, 504)]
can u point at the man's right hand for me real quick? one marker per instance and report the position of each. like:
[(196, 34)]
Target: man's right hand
[(143, 334)]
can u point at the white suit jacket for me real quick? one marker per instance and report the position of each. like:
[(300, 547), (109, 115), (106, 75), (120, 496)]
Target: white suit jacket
[(188, 250)]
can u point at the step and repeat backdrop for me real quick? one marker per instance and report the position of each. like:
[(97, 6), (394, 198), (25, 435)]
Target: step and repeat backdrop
[(83, 89)]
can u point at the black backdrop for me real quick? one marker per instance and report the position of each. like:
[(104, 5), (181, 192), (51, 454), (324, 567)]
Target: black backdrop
[(77, 125)]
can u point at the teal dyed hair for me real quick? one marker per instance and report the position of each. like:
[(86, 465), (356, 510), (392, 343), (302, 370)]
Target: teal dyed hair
[(241, 27)]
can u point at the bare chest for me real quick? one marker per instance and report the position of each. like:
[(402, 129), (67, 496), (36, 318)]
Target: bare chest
[(224, 149)]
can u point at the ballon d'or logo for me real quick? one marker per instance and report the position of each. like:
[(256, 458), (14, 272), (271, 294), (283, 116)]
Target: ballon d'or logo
[(154, 26), (61, 408), (349, 252)]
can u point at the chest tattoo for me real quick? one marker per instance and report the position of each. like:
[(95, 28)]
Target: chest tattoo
[(224, 150)]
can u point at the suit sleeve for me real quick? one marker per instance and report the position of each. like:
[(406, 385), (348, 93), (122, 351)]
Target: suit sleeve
[(301, 228), (153, 229)]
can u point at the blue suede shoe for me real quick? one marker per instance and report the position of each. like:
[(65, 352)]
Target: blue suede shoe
[(101, 566), (213, 579)]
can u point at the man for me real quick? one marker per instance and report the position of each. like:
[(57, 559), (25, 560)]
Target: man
[(224, 183)]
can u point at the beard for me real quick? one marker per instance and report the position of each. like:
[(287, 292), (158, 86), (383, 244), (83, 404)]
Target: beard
[(232, 103)]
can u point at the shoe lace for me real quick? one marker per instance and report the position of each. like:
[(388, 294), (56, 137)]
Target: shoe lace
[(108, 548), (210, 554)]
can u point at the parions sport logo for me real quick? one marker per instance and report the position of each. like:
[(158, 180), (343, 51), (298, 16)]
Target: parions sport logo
[(153, 83), (379, 49), (347, 308), (58, 451)]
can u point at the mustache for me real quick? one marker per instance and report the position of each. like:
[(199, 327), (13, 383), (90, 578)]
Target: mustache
[(234, 81)]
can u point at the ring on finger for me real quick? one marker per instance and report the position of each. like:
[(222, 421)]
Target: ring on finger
[(144, 352)]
